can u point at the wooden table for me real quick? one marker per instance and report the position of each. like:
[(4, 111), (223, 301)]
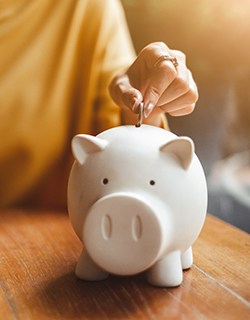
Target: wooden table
[(39, 251)]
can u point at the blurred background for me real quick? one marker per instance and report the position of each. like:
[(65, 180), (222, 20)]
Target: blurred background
[(215, 36)]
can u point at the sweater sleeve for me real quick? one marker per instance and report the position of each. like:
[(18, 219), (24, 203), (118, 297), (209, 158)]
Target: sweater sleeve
[(116, 54)]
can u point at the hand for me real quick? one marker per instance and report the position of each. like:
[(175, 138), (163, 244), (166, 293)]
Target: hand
[(162, 87)]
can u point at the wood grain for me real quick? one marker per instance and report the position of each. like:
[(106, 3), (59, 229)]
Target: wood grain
[(39, 251)]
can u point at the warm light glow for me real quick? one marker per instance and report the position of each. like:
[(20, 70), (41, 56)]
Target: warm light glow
[(214, 34)]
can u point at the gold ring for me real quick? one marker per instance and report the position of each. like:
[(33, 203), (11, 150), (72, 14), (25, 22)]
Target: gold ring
[(165, 57)]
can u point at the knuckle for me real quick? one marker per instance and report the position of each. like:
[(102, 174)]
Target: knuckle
[(189, 109), (151, 48), (168, 70), (157, 45), (179, 54), (155, 92), (191, 96), (161, 44), (182, 86)]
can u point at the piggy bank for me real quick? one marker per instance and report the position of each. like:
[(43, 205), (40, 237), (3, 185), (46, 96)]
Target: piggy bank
[(137, 199)]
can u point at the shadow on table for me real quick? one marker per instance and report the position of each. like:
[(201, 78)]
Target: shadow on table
[(114, 298)]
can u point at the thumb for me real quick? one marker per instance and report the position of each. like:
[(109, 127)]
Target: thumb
[(124, 94)]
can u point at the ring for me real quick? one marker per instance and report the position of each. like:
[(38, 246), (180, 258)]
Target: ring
[(167, 58)]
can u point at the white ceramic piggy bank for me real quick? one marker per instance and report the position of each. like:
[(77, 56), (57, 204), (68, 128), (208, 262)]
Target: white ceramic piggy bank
[(137, 198)]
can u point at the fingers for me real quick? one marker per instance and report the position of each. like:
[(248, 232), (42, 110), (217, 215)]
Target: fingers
[(160, 74), (181, 94), (179, 85), (185, 103), (157, 80), (183, 111), (168, 82), (124, 94)]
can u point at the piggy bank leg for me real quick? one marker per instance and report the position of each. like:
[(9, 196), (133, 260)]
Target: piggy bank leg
[(167, 272), (187, 259), (86, 269)]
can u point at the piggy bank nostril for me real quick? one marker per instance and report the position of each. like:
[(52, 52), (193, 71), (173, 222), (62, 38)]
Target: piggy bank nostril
[(106, 227), (136, 228)]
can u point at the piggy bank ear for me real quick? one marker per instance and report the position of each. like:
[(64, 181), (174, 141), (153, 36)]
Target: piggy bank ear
[(83, 145), (182, 148)]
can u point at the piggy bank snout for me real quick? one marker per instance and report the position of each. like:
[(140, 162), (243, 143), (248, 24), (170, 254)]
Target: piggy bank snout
[(124, 234)]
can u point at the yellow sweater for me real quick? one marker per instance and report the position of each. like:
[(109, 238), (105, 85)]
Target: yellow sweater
[(56, 60)]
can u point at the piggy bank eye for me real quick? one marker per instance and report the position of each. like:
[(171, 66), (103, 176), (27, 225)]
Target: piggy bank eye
[(105, 181), (152, 182)]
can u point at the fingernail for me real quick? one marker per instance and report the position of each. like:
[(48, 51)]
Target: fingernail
[(148, 109), (135, 105)]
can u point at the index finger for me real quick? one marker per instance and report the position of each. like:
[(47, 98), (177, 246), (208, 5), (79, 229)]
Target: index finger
[(162, 66)]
